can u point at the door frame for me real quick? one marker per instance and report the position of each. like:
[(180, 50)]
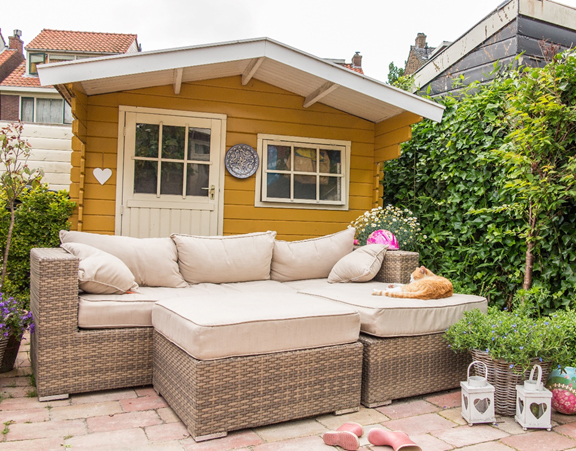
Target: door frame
[(123, 109)]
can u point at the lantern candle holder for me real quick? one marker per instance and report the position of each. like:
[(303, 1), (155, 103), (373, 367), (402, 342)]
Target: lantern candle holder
[(477, 398), (534, 403)]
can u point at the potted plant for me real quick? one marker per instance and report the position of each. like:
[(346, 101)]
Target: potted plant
[(15, 320), (510, 343)]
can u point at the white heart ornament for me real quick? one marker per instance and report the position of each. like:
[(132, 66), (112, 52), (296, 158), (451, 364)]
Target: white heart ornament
[(102, 175)]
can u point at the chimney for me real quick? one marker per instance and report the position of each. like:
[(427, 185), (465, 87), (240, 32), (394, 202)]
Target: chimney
[(15, 43), (421, 41), (357, 60)]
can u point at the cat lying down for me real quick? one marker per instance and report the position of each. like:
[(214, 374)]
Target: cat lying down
[(424, 284)]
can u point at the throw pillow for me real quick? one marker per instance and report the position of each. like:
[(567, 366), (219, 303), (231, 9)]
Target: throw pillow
[(362, 265)]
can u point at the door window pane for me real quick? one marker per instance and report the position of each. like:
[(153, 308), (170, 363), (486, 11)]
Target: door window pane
[(304, 159), (145, 176), (197, 180), (278, 186), (173, 142), (330, 189), (172, 178), (27, 112), (147, 136), (49, 111), (279, 158), (199, 144)]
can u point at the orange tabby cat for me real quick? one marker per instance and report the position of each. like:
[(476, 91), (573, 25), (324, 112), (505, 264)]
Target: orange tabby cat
[(424, 284)]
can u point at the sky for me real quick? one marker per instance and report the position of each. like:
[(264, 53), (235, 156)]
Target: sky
[(381, 30)]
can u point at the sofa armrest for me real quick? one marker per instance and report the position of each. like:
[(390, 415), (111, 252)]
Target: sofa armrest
[(54, 292)]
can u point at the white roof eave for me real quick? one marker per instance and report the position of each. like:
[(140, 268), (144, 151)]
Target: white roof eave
[(189, 57)]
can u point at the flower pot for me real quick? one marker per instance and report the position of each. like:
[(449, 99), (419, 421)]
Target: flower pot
[(8, 351), (562, 384), (504, 380)]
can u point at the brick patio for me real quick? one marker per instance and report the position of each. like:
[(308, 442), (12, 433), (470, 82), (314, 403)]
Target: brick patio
[(138, 419)]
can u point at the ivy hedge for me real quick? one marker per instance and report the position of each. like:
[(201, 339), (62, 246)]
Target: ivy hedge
[(471, 199)]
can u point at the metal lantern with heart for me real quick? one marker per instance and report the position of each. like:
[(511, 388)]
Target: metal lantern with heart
[(478, 398), (533, 403)]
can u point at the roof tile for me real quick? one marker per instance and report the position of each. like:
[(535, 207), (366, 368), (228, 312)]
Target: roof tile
[(18, 78), (82, 41)]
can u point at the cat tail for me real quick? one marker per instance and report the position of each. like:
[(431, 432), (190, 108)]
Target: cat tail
[(377, 292), (406, 294)]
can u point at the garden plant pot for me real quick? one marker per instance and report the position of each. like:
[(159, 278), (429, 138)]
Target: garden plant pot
[(562, 384), (8, 351), (504, 380)]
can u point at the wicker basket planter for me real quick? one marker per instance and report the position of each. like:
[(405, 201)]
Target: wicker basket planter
[(8, 351), (504, 380), (397, 266)]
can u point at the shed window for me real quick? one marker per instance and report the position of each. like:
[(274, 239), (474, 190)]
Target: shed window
[(303, 172)]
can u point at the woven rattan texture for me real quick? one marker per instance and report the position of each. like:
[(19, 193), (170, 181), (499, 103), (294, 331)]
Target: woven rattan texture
[(395, 368), (397, 266), (212, 396), (70, 360), (504, 380)]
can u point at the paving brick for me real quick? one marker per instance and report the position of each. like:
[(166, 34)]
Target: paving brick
[(539, 441), (299, 444), (16, 392), (47, 429), (421, 424), (428, 442), (489, 446), (233, 440), (23, 416), (85, 410), (143, 403), (30, 403), (103, 396), (126, 438), (164, 446), (123, 421), (563, 419), (454, 415), (469, 435), (446, 400), (165, 432), (14, 382), (363, 416), (568, 429), (408, 409), (508, 425), (168, 415), (146, 391), (290, 429), (364, 438), (41, 444)]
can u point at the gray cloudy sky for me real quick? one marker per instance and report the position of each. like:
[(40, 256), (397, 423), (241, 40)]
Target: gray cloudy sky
[(382, 30)]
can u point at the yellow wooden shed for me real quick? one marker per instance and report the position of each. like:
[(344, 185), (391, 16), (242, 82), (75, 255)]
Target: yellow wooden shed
[(228, 138)]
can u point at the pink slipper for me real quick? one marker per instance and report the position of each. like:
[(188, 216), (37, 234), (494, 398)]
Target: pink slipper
[(396, 439), (346, 436)]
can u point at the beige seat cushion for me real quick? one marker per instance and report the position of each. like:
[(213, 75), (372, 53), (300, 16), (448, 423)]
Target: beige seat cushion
[(135, 310), (100, 272), (224, 259), (382, 316), (153, 261), (310, 259), (215, 327), (362, 265)]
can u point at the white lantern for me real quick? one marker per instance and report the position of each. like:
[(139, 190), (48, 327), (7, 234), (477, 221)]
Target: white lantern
[(533, 403), (477, 398)]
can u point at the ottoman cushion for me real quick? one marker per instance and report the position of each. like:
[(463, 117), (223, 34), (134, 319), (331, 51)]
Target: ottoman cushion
[(215, 327)]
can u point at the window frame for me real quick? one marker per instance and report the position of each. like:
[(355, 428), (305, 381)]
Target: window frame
[(261, 199), (30, 62), (65, 108)]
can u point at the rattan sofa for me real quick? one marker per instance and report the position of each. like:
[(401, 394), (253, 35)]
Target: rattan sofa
[(69, 359)]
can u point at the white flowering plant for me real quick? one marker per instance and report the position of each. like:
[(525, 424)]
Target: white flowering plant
[(401, 222)]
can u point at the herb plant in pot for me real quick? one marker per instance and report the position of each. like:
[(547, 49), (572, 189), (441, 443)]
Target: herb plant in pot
[(510, 343), (14, 322)]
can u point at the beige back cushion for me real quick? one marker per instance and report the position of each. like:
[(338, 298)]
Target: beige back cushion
[(224, 259), (362, 265), (310, 259), (100, 272), (153, 261)]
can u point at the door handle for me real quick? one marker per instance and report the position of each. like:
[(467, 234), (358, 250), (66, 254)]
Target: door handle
[(211, 191)]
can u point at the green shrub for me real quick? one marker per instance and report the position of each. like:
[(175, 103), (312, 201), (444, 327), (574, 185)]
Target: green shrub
[(39, 218)]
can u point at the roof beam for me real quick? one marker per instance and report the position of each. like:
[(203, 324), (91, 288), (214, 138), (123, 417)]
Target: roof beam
[(319, 94), (178, 80), (251, 70)]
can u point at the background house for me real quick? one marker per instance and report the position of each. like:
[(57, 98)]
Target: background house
[(47, 117), (515, 27), (153, 134)]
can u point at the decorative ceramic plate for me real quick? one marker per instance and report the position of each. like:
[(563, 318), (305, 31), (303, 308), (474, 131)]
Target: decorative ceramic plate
[(241, 161)]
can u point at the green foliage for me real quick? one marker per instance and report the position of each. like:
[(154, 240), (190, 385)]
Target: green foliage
[(38, 220), (394, 73), (453, 181), (516, 337), (400, 222), (406, 83)]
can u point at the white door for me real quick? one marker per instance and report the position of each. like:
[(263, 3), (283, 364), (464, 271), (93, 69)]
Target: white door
[(170, 175)]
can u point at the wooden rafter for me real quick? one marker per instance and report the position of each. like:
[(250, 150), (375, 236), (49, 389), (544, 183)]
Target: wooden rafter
[(251, 70), (320, 93), (178, 80)]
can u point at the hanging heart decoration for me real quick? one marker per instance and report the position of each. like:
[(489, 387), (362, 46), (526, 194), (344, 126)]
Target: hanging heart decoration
[(102, 175)]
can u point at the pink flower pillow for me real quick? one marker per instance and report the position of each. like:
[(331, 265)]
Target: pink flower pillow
[(383, 237)]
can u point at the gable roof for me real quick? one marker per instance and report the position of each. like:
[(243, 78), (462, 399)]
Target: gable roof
[(272, 62), (18, 78), (82, 41)]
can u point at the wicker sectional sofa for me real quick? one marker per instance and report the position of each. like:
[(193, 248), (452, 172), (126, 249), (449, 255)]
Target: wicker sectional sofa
[(248, 367)]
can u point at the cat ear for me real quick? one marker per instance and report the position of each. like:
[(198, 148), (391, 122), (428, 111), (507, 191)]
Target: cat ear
[(422, 269)]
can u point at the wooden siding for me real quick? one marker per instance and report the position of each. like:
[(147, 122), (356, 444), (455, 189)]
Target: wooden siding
[(252, 109)]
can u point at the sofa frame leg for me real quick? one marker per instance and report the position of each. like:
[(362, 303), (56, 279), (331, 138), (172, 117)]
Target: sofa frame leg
[(378, 404), (345, 411), (203, 438), (53, 397)]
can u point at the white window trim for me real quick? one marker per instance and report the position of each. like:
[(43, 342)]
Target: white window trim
[(310, 205), (41, 97)]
